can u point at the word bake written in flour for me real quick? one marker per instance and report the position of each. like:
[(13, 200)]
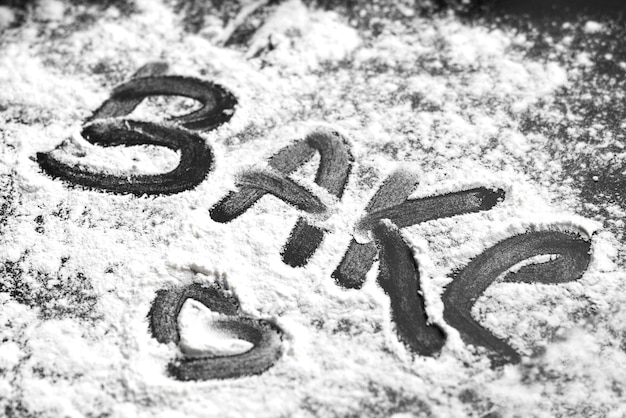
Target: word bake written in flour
[(389, 210)]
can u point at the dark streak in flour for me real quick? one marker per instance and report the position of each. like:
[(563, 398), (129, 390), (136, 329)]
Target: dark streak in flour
[(399, 277), (196, 159), (355, 264), (332, 174), (573, 256), (218, 104), (286, 161), (302, 243), (413, 212), (265, 336), (282, 187), (390, 202), (359, 258)]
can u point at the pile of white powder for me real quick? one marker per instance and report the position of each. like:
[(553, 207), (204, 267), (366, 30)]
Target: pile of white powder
[(437, 95)]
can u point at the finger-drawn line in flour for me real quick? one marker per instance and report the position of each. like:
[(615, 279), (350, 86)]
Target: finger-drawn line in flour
[(390, 202), (399, 278), (572, 259), (283, 188), (332, 174), (265, 337), (196, 159), (387, 212), (218, 104)]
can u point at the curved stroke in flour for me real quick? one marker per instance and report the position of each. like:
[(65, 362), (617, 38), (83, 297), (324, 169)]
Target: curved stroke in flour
[(332, 174), (399, 277), (196, 159), (572, 259), (218, 104), (265, 337)]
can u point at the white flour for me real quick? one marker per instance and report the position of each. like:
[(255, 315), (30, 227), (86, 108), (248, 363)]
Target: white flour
[(437, 96), (198, 337)]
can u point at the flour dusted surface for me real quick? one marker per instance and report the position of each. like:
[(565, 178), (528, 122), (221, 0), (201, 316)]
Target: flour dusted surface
[(435, 95)]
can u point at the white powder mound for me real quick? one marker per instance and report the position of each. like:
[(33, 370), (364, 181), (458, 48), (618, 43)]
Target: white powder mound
[(436, 95), (319, 37), (49, 10), (199, 336), (7, 17), (593, 27)]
